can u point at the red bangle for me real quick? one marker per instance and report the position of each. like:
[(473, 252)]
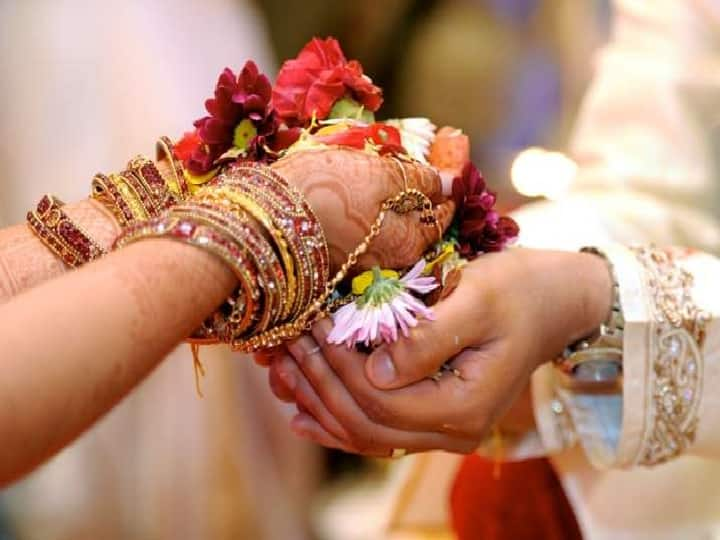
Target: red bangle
[(61, 235)]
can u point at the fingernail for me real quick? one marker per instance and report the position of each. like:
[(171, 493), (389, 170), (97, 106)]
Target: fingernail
[(298, 431), (321, 330), (382, 369), (298, 426), (288, 379)]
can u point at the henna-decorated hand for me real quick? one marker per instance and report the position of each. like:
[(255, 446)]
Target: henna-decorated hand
[(346, 188)]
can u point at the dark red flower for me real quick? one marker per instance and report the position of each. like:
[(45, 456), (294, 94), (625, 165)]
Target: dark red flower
[(272, 138), (480, 228), (316, 79), (236, 98)]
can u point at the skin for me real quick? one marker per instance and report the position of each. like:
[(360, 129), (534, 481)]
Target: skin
[(25, 262), (511, 312), (344, 189), (77, 344)]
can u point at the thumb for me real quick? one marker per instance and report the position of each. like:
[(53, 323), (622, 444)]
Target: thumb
[(429, 345)]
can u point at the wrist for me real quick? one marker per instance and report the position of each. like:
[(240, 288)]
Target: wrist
[(572, 296), (594, 293), (97, 220)]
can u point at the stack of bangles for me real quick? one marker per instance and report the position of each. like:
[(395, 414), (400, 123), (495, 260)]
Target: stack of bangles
[(260, 226), (138, 193), (248, 216)]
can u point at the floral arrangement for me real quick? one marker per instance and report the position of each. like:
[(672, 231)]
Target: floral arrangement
[(322, 99)]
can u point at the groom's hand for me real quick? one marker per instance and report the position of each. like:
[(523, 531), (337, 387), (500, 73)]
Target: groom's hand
[(510, 312)]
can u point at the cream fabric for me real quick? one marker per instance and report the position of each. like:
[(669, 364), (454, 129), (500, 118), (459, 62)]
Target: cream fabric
[(646, 143)]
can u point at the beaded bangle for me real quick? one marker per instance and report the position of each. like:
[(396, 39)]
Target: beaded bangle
[(246, 204), (271, 278), (159, 196), (105, 191), (61, 235), (238, 313), (137, 194), (294, 218)]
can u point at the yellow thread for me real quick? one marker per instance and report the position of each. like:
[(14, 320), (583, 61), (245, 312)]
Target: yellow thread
[(199, 368)]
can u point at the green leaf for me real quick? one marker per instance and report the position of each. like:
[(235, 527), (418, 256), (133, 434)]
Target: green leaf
[(349, 108)]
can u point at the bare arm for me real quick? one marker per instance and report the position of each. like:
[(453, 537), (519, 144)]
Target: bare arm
[(96, 333), (25, 262), (76, 345)]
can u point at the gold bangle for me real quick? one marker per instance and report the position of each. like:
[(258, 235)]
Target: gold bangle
[(270, 272), (106, 192), (227, 193), (295, 219), (153, 183), (403, 202), (177, 184), (238, 313), (131, 194)]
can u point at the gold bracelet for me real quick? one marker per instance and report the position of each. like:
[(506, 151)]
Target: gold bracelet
[(177, 184), (106, 192), (404, 202)]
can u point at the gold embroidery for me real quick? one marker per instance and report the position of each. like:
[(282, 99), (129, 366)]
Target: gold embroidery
[(674, 376)]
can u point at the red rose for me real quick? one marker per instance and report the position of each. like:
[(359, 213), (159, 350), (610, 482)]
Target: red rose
[(316, 79)]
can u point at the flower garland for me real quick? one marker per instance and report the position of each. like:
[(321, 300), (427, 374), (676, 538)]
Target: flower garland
[(322, 99)]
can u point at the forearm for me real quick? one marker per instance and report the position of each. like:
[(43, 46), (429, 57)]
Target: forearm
[(73, 347), (25, 261)]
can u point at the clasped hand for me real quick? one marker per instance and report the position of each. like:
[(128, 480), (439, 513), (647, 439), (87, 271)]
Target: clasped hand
[(511, 312)]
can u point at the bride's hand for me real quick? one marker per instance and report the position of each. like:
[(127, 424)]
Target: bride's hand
[(511, 312), (346, 189)]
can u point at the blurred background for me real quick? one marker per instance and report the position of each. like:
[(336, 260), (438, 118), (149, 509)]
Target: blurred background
[(86, 85)]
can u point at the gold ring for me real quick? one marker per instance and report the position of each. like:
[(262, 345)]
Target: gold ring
[(397, 453)]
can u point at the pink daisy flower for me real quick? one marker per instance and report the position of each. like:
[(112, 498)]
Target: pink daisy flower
[(385, 305)]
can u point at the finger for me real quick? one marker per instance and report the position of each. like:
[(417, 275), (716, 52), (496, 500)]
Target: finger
[(308, 400), (423, 178), (365, 435), (430, 344), (281, 382), (307, 427), (265, 357), (428, 405)]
